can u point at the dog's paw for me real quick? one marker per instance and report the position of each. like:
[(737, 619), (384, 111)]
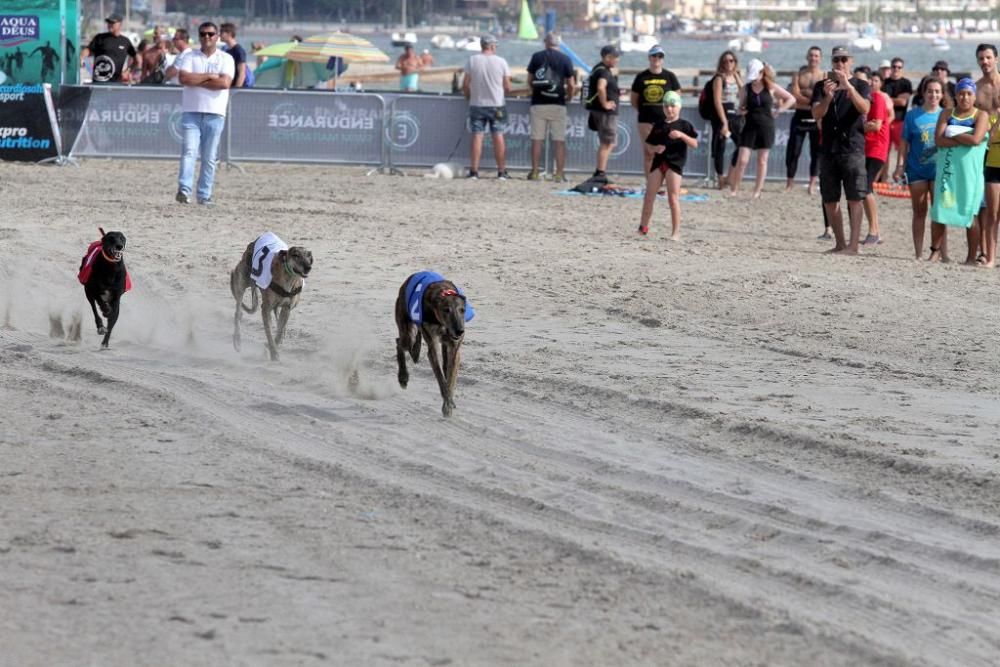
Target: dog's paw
[(447, 408), (101, 330)]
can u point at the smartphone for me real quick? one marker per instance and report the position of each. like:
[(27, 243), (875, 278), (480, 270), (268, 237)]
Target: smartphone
[(831, 75)]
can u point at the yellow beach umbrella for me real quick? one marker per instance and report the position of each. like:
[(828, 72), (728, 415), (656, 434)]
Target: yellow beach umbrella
[(276, 50), (347, 47)]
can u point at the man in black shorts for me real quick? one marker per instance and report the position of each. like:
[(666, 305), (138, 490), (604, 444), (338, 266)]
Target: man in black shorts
[(840, 104), (602, 102)]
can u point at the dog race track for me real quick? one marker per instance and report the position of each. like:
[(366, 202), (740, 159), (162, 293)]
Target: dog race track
[(661, 454)]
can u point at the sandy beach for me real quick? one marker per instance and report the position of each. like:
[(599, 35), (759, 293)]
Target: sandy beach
[(731, 450)]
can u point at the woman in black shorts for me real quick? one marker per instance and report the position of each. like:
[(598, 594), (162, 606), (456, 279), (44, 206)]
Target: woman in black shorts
[(757, 102)]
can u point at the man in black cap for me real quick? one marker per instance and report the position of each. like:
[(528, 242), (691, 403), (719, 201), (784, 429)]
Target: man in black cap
[(939, 72), (840, 104), (602, 102), (113, 53)]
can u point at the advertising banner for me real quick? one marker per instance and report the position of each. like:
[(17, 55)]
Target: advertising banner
[(306, 126), (28, 132), (127, 121), (39, 41)]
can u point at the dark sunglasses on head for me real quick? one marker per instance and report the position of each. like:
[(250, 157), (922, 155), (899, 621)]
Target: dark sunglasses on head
[(206, 34), (841, 59)]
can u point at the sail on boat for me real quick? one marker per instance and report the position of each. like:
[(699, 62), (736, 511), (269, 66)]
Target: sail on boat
[(526, 29)]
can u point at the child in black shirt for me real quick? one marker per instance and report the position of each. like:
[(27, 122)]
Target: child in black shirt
[(670, 139)]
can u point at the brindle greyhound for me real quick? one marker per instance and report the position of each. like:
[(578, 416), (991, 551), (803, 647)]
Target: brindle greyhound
[(442, 323), (289, 268)]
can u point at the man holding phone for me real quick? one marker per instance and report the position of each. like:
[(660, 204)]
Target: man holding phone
[(840, 104)]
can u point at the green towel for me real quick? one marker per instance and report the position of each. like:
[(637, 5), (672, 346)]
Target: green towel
[(958, 185)]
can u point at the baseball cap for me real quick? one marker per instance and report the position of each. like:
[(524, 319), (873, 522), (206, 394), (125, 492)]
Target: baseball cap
[(840, 51), (941, 64), (610, 50), (754, 69), (552, 39), (657, 50), (884, 64), (486, 40), (114, 18)]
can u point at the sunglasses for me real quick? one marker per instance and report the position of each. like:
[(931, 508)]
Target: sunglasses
[(656, 55), (206, 34), (897, 67), (841, 59), (941, 69), (729, 60)]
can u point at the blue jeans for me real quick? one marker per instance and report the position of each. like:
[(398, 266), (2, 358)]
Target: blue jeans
[(201, 133)]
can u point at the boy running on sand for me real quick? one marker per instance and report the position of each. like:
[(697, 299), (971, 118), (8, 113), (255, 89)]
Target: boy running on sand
[(670, 139)]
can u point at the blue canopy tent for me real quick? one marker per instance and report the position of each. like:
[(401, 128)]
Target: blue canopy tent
[(283, 73)]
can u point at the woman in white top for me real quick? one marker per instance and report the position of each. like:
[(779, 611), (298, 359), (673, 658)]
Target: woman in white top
[(726, 123)]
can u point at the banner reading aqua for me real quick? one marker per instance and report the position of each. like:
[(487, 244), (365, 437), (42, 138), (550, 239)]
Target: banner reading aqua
[(39, 41), (28, 131)]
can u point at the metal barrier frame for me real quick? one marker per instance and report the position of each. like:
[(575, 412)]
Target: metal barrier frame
[(389, 160)]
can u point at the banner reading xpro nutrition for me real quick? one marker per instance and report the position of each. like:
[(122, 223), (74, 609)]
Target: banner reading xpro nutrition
[(27, 132), (33, 48)]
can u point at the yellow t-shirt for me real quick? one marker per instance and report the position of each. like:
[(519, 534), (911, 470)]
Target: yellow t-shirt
[(993, 153)]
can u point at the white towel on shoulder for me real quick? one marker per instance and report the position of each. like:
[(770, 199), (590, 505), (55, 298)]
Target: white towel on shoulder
[(265, 248)]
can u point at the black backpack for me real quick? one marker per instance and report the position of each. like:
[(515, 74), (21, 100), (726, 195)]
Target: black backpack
[(706, 101)]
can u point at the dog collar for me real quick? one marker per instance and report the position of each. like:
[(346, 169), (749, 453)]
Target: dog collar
[(288, 269), (110, 259)]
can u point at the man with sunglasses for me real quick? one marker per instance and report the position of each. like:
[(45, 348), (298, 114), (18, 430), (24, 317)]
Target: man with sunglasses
[(840, 104), (206, 74), (899, 88), (648, 89)]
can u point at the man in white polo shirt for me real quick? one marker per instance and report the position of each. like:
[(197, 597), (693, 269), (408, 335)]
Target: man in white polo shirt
[(206, 75)]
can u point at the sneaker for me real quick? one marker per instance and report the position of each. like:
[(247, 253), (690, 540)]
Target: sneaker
[(560, 177), (534, 176), (474, 175), (643, 229), (871, 239), (598, 172), (206, 202), (503, 175), (182, 198), (825, 236)]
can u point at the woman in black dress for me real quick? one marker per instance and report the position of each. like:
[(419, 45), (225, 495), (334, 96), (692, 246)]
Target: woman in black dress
[(757, 102)]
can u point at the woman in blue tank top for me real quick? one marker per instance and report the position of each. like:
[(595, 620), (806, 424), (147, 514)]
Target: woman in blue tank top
[(965, 125)]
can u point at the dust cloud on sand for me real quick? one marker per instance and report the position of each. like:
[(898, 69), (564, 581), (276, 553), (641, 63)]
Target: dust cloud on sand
[(730, 450)]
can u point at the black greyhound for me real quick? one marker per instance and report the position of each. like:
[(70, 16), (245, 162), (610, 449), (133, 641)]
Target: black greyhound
[(105, 279)]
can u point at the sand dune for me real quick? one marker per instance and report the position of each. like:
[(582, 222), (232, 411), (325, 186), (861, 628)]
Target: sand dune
[(731, 450)]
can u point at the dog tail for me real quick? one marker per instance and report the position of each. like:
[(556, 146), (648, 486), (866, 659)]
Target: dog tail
[(238, 294), (254, 300)]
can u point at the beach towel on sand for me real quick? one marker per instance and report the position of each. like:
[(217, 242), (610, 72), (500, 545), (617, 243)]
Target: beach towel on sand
[(414, 295), (958, 185)]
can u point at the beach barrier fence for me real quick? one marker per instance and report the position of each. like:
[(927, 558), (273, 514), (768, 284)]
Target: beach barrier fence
[(384, 130)]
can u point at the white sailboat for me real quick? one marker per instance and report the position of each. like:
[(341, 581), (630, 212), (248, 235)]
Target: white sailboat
[(868, 39)]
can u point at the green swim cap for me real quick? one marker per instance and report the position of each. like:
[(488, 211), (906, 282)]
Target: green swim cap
[(672, 99)]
